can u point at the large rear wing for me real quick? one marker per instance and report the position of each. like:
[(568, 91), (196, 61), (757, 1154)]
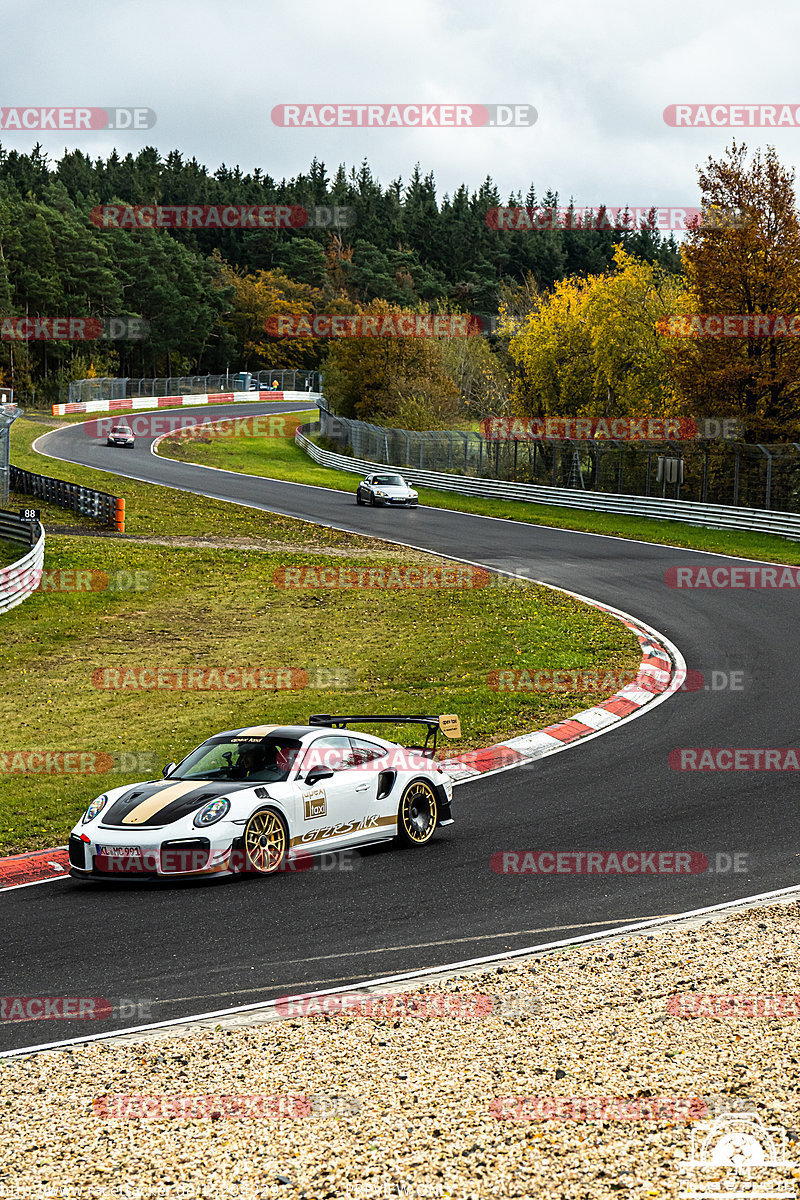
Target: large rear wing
[(448, 723)]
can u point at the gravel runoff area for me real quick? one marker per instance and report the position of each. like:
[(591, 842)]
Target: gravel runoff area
[(581, 1073)]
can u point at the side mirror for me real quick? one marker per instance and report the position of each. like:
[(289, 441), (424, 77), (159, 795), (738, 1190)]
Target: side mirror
[(168, 769), (317, 773)]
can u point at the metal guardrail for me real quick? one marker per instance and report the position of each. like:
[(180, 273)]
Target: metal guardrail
[(703, 470), (22, 577), (709, 516), (87, 502)]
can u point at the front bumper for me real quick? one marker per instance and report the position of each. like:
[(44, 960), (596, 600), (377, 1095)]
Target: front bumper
[(172, 857)]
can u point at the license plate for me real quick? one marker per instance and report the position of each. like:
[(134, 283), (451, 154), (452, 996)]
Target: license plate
[(119, 851)]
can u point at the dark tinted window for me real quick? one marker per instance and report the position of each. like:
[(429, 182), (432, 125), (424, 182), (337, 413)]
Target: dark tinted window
[(364, 752), (262, 760)]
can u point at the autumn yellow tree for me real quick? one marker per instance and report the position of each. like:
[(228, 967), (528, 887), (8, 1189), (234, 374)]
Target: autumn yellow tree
[(592, 346), (746, 263), (262, 294)]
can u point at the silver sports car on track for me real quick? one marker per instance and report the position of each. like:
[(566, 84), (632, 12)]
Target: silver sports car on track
[(268, 798), (384, 488)]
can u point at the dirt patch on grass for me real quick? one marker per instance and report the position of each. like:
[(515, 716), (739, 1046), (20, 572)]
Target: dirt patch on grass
[(368, 550)]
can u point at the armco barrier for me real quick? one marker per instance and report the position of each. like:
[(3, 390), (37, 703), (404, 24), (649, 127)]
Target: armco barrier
[(18, 580), (100, 506), (146, 403), (710, 516)]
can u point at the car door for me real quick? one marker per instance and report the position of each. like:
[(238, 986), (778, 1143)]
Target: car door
[(334, 811)]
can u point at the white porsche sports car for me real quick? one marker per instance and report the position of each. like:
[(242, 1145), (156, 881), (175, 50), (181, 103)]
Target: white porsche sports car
[(385, 488), (260, 798)]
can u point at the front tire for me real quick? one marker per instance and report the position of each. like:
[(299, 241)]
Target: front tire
[(417, 814), (358, 498), (372, 499), (266, 842)]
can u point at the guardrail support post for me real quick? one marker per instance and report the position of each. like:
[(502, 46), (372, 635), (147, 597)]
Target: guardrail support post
[(119, 516), (768, 487)]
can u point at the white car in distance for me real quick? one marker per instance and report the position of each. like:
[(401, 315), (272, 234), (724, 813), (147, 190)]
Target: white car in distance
[(385, 488)]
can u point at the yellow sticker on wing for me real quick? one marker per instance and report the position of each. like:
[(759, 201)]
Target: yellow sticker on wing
[(450, 725)]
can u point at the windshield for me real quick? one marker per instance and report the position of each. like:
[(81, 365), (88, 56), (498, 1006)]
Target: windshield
[(120, 429), (389, 481), (260, 760)]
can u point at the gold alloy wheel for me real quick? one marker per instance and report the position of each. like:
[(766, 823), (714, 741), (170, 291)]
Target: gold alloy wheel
[(265, 841), (418, 813)]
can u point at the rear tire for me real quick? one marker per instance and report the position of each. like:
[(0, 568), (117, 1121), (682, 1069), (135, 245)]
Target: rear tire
[(417, 814)]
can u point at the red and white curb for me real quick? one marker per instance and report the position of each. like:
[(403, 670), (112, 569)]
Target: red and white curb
[(662, 663), (21, 870), (147, 402)]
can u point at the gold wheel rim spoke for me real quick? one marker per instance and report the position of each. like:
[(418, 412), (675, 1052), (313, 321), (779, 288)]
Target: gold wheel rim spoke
[(265, 855)]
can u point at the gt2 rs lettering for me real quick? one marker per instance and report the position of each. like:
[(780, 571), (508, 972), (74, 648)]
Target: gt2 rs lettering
[(372, 821)]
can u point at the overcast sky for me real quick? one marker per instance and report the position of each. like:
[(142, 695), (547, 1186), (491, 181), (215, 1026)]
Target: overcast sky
[(599, 74)]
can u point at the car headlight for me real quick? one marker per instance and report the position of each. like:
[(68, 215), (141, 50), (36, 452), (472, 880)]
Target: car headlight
[(381, 494), (94, 808), (212, 812), (414, 495)]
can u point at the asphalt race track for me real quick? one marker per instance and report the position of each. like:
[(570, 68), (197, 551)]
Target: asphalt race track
[(196, 947)]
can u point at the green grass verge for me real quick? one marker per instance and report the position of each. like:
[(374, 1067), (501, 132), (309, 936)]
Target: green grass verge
[(11, 552), (280, 458), (394, 651)]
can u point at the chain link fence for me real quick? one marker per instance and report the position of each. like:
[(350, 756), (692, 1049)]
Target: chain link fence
[(106, 388), (715, 472)]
